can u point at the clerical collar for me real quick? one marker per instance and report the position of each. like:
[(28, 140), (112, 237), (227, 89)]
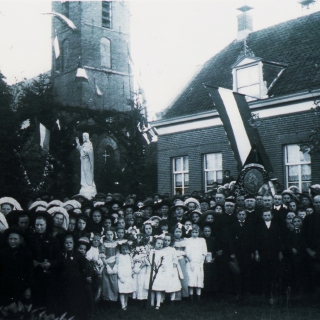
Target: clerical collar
[(277, 207)]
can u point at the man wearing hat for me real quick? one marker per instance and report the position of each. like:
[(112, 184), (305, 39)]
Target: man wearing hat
[(177, 211)]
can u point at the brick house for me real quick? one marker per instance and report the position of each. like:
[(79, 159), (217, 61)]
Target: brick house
[(279, 69)]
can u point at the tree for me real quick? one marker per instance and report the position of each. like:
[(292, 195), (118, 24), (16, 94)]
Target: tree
[(10, 171)]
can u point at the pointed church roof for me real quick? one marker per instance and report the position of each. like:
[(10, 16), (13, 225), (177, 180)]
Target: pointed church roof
[(293, 43)]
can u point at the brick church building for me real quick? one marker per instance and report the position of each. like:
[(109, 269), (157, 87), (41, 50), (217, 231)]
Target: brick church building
[(278, 68)]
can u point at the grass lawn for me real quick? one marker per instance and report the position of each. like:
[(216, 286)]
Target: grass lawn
[(217, 308)]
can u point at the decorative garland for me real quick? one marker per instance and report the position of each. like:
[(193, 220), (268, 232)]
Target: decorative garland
[(48, 168)]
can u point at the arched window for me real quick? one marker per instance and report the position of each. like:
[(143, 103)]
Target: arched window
[(105, 53), (65, 55)]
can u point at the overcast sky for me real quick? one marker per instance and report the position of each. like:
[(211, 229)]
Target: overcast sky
[(170, 38)]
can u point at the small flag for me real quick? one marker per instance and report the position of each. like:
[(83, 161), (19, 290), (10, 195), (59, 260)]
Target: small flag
[(98, 91), (44, 137), (56, 47), (81, 72), (146, 138), (25, 124), (63, 18), (235, 115)]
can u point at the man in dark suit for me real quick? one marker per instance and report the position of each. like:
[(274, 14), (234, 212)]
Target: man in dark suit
[(278, 206), (242, 248), (269, 253), (311, 233)]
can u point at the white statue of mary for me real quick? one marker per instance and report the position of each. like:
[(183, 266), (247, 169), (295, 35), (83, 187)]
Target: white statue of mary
[(88, 187)]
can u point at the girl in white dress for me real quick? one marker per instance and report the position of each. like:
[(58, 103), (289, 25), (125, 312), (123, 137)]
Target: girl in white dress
[(196, 250), (159, 284), (171, 265), (126, 283)]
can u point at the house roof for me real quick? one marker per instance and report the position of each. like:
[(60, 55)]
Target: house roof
[(294, 43)]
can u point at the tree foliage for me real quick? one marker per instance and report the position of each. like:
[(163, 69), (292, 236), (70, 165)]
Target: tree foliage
[(58, 171)]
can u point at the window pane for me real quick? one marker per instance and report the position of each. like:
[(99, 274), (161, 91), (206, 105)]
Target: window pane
[(219, 177), (210, 176), (306, 172), (248, 76), (186, 179), (293, 153), (293, 173), (177, 164), (178, 179), (213, 161), (185, 164)]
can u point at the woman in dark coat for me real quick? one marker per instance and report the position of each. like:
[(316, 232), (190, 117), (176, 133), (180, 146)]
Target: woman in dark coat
[(16, 270), (46, 254)]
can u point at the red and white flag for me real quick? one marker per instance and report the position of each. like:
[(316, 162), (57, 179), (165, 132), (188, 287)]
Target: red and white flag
[(236, 116)]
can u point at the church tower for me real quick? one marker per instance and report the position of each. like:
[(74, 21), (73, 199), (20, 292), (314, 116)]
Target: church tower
[(100, 44)]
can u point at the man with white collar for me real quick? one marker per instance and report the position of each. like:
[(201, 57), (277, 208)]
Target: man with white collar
[(278, 206)]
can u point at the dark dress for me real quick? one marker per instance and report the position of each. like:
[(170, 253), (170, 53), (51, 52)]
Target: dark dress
[(45, 247), (16, 270), (73, 291)]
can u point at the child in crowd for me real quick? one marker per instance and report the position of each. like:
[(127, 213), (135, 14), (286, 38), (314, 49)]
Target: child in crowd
[(93, 255), (179, 243), (296, 246), (196, 251), (302, 213), (159, 283), (81, 227), (95, 223), (171, 267), (109, 274), (83, 245), (120, 233), (126, 283), (147, 229), (209, 267), (164, 225)]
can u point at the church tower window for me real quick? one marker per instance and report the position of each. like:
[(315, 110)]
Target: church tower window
[(105, 53), (106, 14)]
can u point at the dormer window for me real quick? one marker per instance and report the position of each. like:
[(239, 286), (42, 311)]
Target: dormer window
[(254, 77), (248, 80)]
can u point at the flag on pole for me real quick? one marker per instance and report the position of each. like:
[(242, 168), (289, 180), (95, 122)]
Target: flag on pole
[(44, 137), (81, 72), (56, 47), (236, 117), (63, 18)]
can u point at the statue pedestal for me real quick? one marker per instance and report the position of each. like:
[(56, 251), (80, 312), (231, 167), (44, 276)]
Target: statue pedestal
[(88, 192)]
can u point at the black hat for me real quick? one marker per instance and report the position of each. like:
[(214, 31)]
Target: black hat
[(230, 199), (11, 230), (148, 203)]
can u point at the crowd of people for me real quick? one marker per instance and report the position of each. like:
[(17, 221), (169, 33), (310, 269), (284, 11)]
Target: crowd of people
[(67, 255)]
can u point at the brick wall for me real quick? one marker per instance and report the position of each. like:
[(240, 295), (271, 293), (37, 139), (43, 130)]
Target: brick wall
[(275, 132)]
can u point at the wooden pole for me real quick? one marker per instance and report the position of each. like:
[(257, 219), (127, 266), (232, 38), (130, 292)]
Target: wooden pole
[(150, 280)]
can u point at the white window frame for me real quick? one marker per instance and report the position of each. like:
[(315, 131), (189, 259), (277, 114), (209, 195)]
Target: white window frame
[(182, 172), (214, 170), (298, 163)]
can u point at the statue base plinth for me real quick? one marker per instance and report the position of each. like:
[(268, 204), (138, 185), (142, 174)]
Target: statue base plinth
[(88, 192)]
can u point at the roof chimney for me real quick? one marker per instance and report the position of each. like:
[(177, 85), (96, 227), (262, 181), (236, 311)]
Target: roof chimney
[(244, 23)]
